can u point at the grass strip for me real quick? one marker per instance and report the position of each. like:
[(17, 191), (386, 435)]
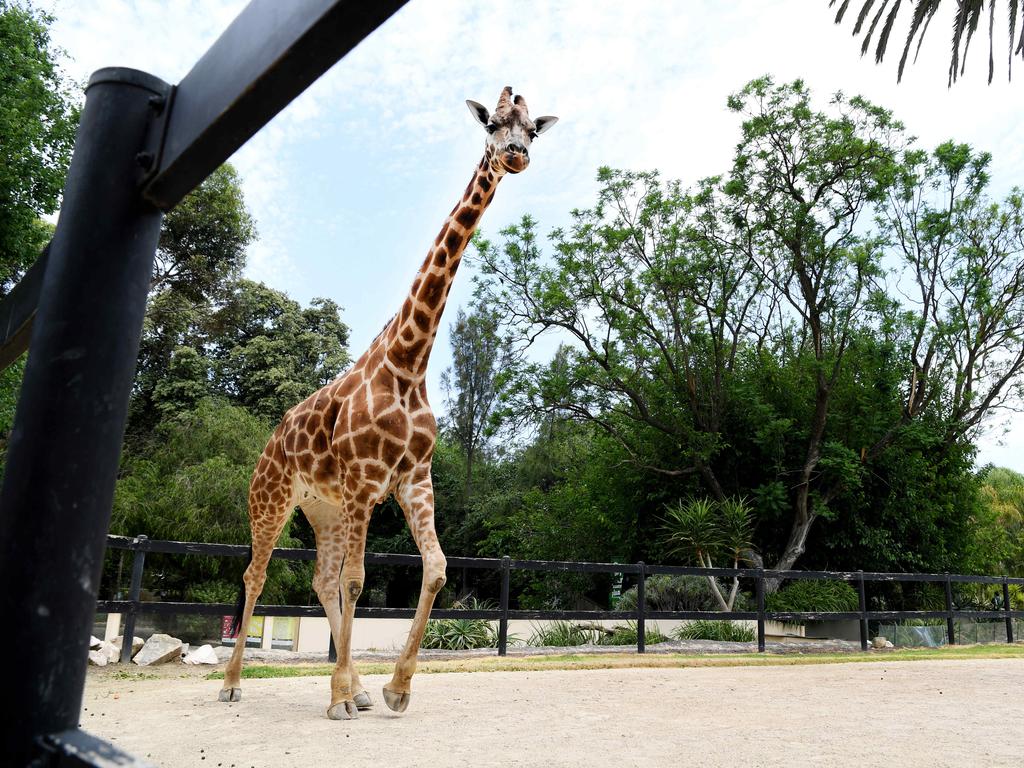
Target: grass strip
[(626, 660)]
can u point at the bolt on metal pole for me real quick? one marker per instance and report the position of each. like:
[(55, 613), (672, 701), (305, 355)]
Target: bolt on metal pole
[(65, 444)]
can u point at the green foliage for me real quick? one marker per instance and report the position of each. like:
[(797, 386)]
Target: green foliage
[(627, 634), (461, 634), (190, 483), (702, 629), (997, 543), (38, 118), (814, 595), (562, 634), (663, 592)]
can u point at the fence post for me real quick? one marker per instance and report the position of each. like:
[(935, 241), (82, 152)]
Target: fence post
[(950, 631), (1007, 607), (641, 608), (503, 621), (863, 601), (134, 593), (759, 590)]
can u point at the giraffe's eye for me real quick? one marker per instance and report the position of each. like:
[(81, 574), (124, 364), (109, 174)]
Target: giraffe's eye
[(533, 135), (491, 127)]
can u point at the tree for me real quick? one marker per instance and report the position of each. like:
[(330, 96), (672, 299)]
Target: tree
[(708, 530), (191, 484), (754, 336), (38, 118), (471, 384), (964, 25), (203, 239)]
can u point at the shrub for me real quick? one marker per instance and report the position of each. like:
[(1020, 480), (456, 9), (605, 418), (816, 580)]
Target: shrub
[(814, 595), (663, 592), (714, 630), (460, 634), (562, 633), (626, 634)]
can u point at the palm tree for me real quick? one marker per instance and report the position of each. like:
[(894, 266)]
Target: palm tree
[(881, 15)]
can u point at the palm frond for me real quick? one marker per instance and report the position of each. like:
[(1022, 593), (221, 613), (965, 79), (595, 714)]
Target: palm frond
[(923, 13), (881, 16), (883, 39)]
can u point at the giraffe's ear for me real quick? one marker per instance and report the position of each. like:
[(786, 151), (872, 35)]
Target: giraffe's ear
[(479, 111), (542, 124)]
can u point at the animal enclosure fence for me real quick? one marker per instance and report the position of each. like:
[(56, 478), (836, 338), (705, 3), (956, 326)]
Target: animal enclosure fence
[(504, 566)]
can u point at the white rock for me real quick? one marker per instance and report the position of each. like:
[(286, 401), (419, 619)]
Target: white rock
[(111, 651), (204, 654), (97, 658), (879, 642), (888, 644), (94, 642), (158, 649)]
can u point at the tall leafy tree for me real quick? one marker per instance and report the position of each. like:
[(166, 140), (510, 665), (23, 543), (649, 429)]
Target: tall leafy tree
[(38, 117), (471, 384)]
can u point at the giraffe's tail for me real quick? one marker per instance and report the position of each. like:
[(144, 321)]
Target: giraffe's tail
[(240, 604)]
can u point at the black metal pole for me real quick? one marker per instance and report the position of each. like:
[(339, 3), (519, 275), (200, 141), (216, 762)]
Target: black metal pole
[(950, 631), (135, 592), (759, 591), (64, 448), (1008, 608), (641, 608), (863, 601), (503, 621)]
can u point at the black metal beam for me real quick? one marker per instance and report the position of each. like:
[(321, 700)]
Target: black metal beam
[(269, 55), (17, 310)]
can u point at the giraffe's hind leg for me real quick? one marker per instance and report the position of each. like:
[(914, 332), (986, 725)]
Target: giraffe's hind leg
[(267, 519), (332, 528)]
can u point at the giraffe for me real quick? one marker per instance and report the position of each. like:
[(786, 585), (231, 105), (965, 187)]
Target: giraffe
[(370, 434)]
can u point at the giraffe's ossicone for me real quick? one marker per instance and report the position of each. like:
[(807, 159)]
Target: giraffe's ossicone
[(370, 434)]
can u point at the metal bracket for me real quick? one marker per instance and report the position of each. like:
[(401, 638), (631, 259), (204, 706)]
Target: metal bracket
[(75, 748)]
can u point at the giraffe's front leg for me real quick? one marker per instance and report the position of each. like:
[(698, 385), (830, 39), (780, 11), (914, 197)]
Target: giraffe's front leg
[(417, 501), (345, 685)]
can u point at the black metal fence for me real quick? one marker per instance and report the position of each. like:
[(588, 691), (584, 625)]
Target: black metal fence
[(140, 545)]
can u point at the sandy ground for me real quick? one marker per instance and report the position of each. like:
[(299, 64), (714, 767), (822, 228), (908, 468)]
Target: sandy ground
[(935, 713)]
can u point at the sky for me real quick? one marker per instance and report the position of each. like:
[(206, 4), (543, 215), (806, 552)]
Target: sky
[(350, 183)]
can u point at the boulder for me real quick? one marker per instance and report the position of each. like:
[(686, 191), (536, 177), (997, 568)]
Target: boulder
[(204, 654), (158, 649), (94, 642), (137, 643), (879, 642), (98, 658)]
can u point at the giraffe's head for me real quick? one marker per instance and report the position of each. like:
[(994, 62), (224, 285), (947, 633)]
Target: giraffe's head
[(510, 131)]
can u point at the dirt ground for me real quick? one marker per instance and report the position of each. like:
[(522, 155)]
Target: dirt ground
[(935, 713)]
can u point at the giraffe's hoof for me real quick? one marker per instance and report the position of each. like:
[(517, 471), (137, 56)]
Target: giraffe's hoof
[(343, 710), (230, 694), (397, 702), (363, 701)]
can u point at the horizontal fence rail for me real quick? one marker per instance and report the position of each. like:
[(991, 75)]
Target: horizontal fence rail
[(141, 545)]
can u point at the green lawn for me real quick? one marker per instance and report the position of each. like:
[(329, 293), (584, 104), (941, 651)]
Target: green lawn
[(615, 661)]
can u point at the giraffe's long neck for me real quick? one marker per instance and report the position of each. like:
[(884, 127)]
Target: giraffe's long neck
[(410, 336)]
